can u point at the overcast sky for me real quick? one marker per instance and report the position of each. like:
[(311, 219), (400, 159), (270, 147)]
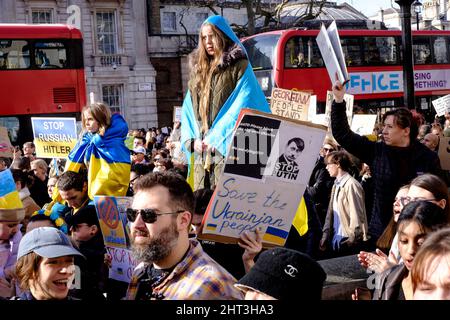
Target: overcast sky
[(369, 7)]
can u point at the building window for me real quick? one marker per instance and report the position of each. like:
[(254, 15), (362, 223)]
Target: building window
[(169, 21), (41, 16), (106, 28), (113, 97), (199, 18)]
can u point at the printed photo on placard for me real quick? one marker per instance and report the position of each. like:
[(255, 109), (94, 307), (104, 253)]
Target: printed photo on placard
[(252, 142)]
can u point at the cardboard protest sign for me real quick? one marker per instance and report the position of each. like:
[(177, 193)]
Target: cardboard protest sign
[(54, 137), (5, 144), (330, 47), (290, 104), (176, 114), (349, 101), (444, 152), (111, 212), (363, 124), (442, 105), (122, 264), (266, 172)]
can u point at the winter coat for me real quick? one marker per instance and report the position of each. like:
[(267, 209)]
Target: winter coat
[(391, 167), (352, 211), (224, 80)]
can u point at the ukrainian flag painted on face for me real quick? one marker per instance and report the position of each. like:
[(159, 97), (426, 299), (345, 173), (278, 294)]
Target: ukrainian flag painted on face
[(107, 158), (247, 94)]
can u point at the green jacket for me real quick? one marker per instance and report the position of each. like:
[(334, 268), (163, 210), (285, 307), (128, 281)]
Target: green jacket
[(230, 70)]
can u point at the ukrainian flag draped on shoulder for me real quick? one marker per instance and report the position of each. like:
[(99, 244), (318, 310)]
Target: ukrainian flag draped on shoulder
[(246, 94), (107, 157)]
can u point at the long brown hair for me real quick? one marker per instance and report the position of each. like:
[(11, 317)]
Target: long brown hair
[(27, 269), (99, 112), (203, 67)]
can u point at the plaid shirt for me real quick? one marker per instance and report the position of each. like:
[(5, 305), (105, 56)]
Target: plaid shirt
[(196, 277)]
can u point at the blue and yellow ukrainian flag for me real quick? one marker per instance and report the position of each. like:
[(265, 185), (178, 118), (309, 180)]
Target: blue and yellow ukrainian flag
[(274, 235), (9, 197), (11, 207), (107, 158), (246, 94)]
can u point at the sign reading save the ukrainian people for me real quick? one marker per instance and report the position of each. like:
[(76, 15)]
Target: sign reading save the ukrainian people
[(266, 172), (54, 137)]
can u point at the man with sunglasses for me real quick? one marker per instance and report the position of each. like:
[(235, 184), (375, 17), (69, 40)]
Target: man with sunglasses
[(171, 266)]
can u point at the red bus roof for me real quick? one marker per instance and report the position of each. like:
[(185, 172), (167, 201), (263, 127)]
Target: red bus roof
[(352, 32), (38, 31)]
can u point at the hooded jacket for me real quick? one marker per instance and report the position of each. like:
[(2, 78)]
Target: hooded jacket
[(224, 80)]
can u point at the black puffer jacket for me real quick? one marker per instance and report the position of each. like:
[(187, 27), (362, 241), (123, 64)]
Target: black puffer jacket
[(391, 167)]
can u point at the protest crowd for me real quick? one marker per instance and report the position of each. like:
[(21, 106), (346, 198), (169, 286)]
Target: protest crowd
[(383, 199)]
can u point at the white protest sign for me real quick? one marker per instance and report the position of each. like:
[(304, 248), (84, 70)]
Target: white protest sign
[(176, 114), (442, 105), (122, 264), (331, 50), (266, 172), (363, 124), (349, 100), (290, 104)]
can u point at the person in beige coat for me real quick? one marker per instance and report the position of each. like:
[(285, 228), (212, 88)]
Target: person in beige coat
[(345, 228)]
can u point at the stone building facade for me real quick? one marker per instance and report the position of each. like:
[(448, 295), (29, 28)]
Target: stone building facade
[(118, 70)]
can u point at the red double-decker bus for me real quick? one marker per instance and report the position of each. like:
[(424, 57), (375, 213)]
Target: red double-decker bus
[(41, 74), (291, 59)]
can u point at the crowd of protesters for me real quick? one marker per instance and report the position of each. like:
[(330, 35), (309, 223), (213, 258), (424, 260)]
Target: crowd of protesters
[(384, 200)]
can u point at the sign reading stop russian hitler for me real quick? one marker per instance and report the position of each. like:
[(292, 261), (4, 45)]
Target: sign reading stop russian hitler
[(54, 137), (290, 104)]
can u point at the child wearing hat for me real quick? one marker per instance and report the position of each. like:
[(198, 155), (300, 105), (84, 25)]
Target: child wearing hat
[(283, 274), (11, 214), (45, 265)]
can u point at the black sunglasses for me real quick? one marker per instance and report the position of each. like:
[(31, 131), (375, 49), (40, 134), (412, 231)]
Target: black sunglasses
[(147, 215)]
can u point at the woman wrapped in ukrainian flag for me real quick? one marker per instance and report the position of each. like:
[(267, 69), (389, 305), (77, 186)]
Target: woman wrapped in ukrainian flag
[(221, 83), (102, 152)]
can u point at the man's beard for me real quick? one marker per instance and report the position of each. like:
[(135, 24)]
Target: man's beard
[(157, 249)]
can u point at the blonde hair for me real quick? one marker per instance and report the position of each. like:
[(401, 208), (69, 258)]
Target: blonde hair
[(40, 163), (203, 67), (101, 113)]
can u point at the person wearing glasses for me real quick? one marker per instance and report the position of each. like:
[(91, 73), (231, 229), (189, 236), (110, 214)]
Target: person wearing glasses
[(394, 162), (426, 187), (320, 182), (171, 266), (417, 220)]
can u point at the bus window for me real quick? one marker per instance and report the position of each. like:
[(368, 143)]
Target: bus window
[(440, 46), (261, 51), (352, 51), (302, 52), (380, 50), (50, 54), (421, 50), (14, 54)]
